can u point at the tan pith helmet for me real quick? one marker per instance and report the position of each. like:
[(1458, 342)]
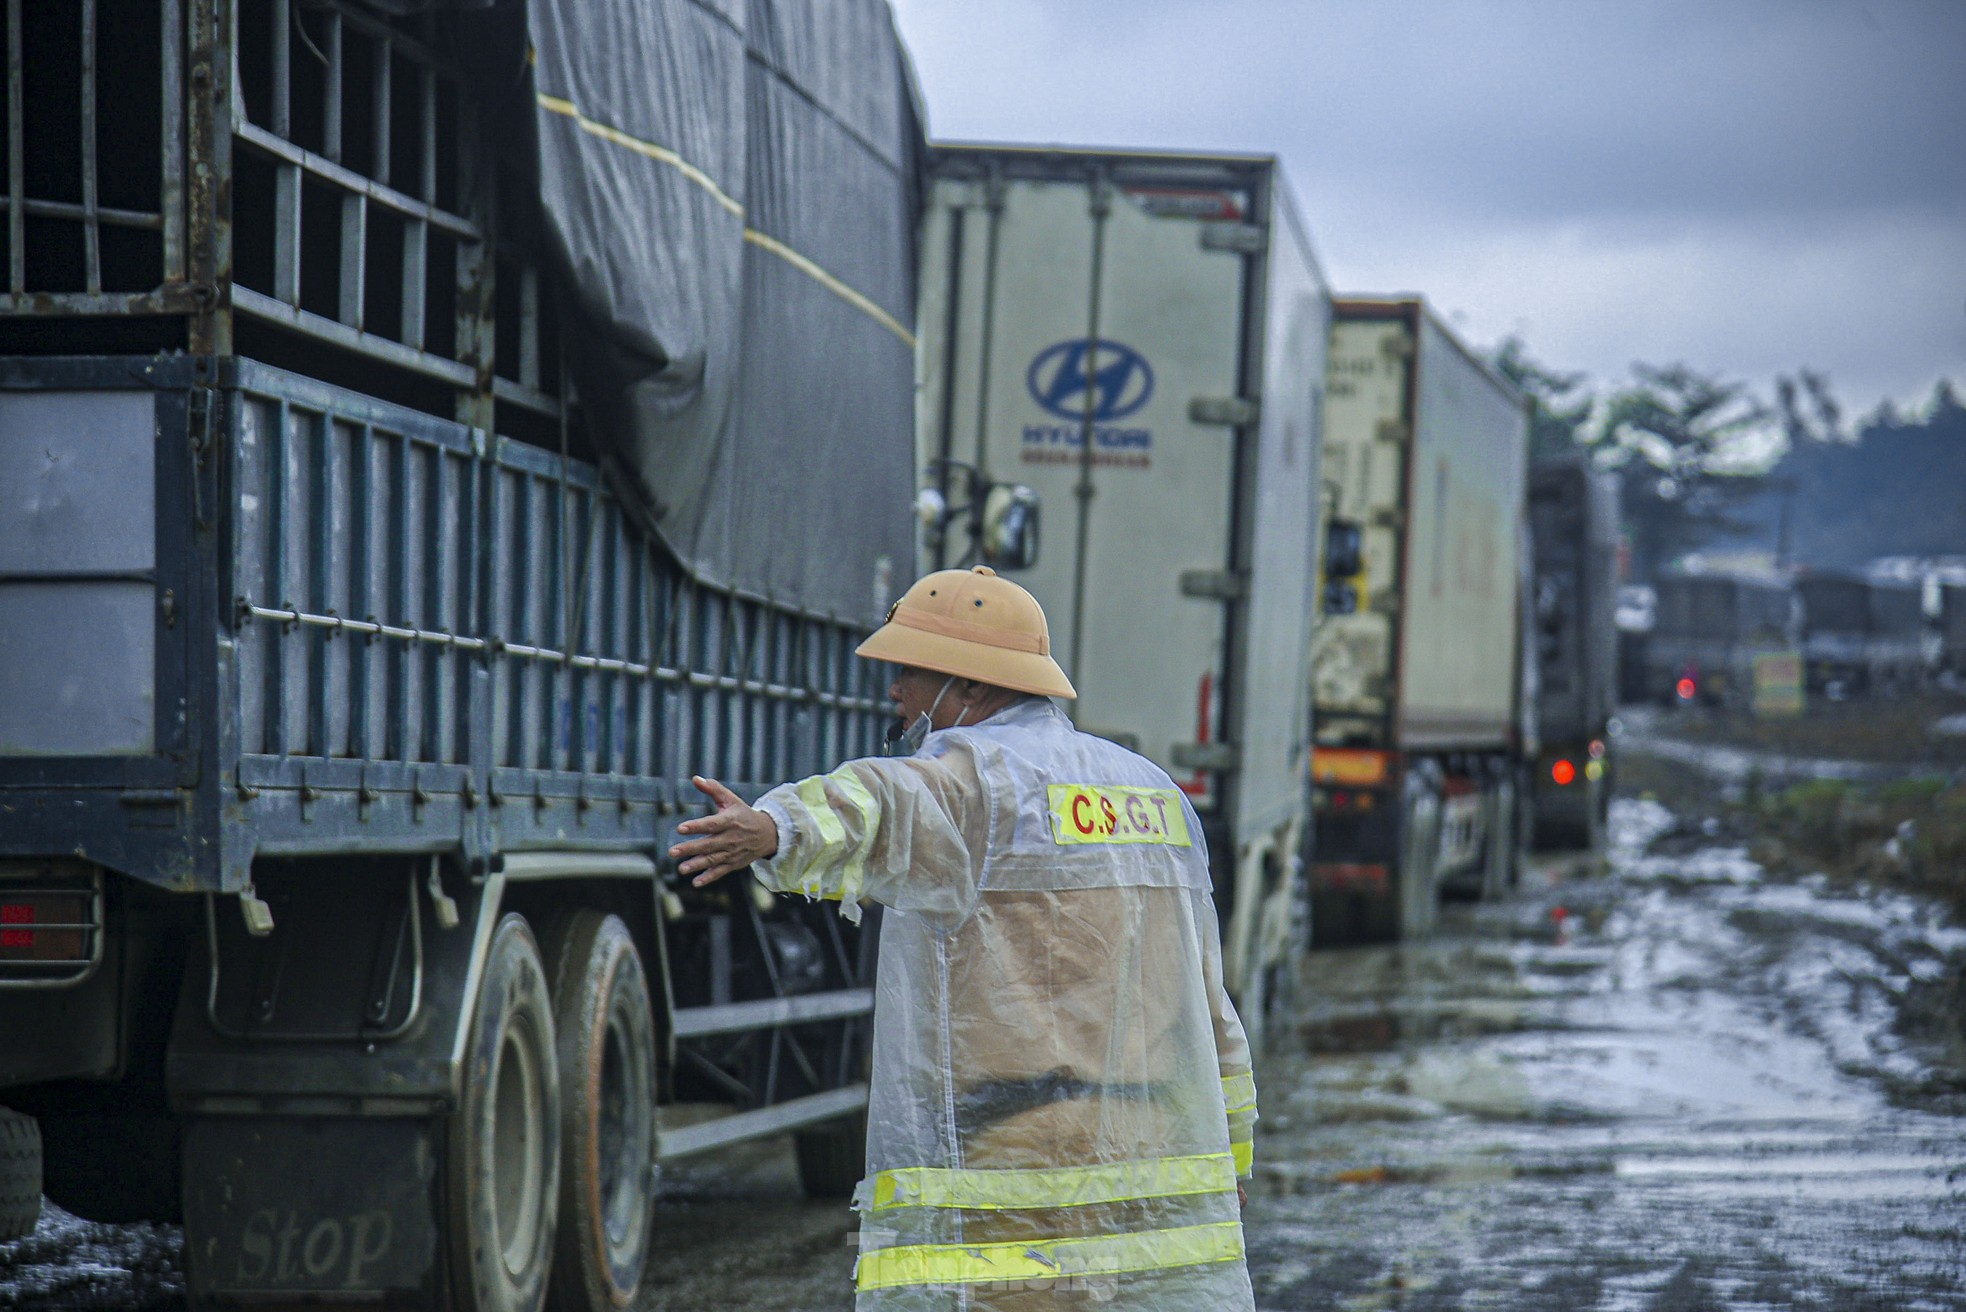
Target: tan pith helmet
[(974, 625)]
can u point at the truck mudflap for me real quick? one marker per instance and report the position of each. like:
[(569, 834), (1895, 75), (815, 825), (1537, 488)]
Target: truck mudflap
[(300, 1208), (317, 1070)]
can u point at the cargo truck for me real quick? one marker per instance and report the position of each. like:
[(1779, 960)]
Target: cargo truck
[(1424, 728), (1573, 522), (1860, 635), (1708, 632), (1139, 337), (364, 381), (1952, 628)]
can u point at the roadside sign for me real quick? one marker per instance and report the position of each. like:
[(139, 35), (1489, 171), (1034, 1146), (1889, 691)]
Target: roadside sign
[(1778, 684)]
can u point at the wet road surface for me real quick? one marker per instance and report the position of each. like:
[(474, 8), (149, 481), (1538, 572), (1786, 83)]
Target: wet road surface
[(1692, 1089)]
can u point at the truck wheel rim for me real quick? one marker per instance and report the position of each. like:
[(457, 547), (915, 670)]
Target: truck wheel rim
[(517, 1142), (616, 1135)]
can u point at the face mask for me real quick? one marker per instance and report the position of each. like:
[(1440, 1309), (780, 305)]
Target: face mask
[(908, 741)]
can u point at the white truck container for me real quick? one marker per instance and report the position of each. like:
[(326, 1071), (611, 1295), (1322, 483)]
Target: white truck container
[(1140, 338), (1423, 727)]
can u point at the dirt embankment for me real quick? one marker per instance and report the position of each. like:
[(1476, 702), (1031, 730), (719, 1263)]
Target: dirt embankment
[(1859, 791)]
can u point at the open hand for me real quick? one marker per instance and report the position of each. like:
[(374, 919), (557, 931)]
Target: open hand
[(733, 836)]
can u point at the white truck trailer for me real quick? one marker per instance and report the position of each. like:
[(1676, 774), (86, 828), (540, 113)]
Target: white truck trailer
[(1140, 338), (1423, 727)]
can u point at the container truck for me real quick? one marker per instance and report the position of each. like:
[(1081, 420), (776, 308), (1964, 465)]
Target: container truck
[(1139, 337), (362, 382), (1860, 635), (1952, 628), (1423, 728), (1573, 521), (1708, 630)]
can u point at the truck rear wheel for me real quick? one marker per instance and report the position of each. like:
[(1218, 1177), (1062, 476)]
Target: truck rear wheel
[(20, 1174), (606, 1050), (505, 1137)]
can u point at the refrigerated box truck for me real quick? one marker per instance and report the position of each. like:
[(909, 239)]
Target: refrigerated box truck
[(351, 681), (1139, 338), (1422, 724), (1573, 529)]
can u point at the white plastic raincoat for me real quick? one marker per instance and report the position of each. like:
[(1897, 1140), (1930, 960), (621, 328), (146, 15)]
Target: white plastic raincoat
[(1062, 1098)]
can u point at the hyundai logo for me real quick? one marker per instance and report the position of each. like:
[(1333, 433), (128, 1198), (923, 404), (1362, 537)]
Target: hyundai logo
[(1119, 382)]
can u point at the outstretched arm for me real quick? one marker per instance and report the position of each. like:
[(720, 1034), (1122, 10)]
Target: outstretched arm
[(890, 831)]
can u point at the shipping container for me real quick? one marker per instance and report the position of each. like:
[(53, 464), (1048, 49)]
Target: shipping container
[(1422, 725), (1707, 633), (353, 686), (1139, 338), (1860, 635)]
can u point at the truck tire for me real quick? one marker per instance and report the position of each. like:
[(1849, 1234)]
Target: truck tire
[(117, 1169), (606, 1058), (832, 1156), (504, 1181), (20, 1175)]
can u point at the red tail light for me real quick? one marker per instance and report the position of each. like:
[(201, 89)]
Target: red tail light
[(46, 926), (1564, 773), (1686, 688)]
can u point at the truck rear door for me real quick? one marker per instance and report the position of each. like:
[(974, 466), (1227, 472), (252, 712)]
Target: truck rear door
[(1087, 345)]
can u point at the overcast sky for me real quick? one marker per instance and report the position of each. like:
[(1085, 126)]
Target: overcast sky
[(1747, 186)]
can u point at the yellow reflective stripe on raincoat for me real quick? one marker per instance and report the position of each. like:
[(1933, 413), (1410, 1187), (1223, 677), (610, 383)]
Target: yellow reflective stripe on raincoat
[(1244, 1151), (853, 870), (1113, 813), (1060, 1186), (1049, 1259), (1239, 1093)]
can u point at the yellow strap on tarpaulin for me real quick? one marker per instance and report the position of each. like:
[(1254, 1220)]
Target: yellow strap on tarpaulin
[(1239, 1093), (1244, 1151), (664, 155), (1049, 1259), (1054, 1186)]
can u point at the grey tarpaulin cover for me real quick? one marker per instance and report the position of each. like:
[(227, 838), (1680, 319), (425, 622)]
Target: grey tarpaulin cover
[(732, 186)]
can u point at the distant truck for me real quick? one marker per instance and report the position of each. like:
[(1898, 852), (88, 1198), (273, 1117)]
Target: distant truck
[(350, 683), (1707, 631), (1861, 635), (1573, 525), (1140, 338), (1423, 730), (1952, 628)]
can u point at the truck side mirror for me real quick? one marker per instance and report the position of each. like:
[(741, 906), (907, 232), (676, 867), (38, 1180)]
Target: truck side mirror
[(1010, 526), (1344, 547)]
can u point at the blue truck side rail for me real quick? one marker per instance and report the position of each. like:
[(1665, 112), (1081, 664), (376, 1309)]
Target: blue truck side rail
[(371, 629)]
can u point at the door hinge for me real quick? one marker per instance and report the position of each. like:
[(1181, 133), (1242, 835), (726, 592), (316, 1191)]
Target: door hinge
[(1394, 430), (1242, 238), (1213, 584), (1388, 517), (1206, 756), (1228, 411), (1385, 603)]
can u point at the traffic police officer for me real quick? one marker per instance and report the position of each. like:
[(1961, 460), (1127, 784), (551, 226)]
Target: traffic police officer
[(1061, 1102)]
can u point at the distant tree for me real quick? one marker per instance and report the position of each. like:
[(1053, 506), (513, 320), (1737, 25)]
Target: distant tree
[(1809, 412), (1559, 403), (1685, 441)]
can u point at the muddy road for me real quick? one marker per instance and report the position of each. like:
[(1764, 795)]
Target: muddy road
[(1675, 1086), (1671, 1085)]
